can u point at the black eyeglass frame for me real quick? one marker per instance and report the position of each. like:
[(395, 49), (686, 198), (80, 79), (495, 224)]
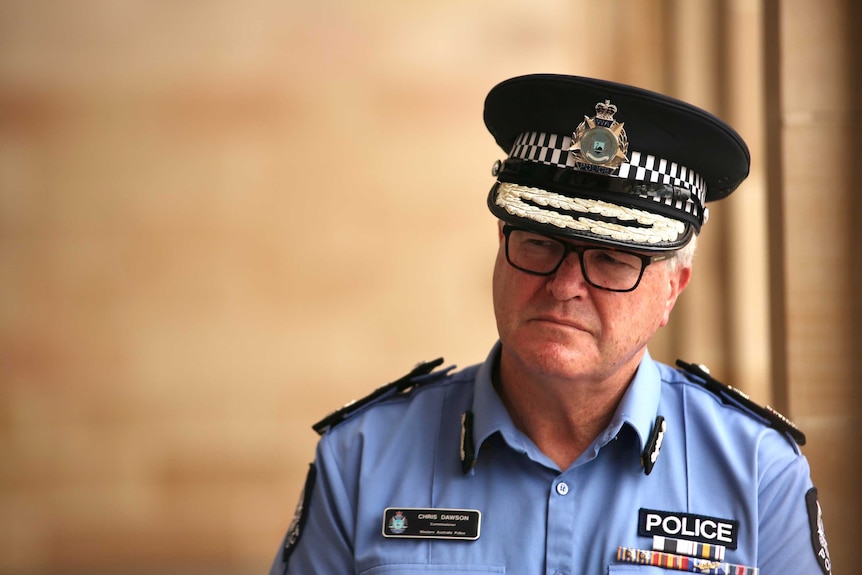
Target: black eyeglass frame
[(570, 248)]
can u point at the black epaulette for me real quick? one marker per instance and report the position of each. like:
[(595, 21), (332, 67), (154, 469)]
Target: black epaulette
[(730, 394), (397, 386)]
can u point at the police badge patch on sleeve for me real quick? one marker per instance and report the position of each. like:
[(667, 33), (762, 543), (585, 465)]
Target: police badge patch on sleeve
[(298, 524), (818, 534)]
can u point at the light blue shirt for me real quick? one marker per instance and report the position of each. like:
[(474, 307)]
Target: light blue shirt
[(716, 461)]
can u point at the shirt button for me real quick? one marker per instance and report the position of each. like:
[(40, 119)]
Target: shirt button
[(562, 488)]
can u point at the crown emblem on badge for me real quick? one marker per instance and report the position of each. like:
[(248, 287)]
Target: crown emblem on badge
[(398, 523), (600, 143)]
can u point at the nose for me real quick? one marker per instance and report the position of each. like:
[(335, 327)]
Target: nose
[(568, 281)]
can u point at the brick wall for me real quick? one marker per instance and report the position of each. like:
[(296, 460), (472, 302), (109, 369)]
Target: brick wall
[(219, 221)]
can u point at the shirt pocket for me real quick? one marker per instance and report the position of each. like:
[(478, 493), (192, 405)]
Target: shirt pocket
[(413, 569)]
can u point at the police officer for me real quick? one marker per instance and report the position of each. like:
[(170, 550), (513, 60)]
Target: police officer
[(570, 450)]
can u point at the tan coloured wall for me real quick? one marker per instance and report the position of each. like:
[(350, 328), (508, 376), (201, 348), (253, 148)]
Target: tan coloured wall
[(220, 220)]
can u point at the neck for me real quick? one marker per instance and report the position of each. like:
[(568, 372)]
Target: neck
[(561, 416)]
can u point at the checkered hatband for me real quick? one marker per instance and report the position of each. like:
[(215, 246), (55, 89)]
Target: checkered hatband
[(553, 150), (648, 201)]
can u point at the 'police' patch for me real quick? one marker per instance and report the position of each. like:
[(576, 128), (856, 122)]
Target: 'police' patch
[(688, 526), (818, 533), (297, 526)]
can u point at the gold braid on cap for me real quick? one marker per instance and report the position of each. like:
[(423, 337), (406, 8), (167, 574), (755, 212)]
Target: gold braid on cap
[(530, 203)]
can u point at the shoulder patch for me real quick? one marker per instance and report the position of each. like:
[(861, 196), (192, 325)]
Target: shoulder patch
[(398, 386), (818, 533), (297, 526), (729, 394)]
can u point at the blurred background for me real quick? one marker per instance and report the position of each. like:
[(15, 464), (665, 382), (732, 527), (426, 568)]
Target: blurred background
[(220, 220)]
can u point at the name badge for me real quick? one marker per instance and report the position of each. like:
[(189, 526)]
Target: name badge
[(688, 526), (432, 523)]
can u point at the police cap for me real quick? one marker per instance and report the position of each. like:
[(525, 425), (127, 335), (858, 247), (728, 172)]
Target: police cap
[(608, 163)]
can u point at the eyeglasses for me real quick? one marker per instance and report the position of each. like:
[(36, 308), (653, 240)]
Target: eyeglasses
[(603, 268)]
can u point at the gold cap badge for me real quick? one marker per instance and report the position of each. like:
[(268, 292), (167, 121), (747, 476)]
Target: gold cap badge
[(600, 143)]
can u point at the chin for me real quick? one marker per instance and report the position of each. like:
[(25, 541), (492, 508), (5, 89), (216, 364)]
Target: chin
[(560, 357)]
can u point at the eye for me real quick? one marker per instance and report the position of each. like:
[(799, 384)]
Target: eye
[(613, 258), (538, 242)]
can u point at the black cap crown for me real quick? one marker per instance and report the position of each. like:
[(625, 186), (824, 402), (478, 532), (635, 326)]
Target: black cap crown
[(608, 163)]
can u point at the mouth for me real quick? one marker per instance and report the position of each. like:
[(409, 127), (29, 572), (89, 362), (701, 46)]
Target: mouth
[(565, 323)]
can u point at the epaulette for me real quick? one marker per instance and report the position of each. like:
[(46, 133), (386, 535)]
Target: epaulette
[(398, 386), (729, 394)]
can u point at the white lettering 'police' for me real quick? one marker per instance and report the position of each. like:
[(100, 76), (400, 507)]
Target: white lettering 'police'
[(688, 526)]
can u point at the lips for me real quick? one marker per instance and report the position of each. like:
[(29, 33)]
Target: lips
[(561, 321)]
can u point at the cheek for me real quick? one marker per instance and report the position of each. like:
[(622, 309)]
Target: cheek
[(512, 292), (503, 291), (637, 319)]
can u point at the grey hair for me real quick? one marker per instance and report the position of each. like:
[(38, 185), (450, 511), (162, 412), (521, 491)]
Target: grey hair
[(684, 257)]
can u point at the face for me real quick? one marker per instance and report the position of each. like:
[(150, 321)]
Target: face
[(559, 326)]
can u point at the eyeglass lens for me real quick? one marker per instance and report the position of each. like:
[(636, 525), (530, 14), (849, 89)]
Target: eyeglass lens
[(603, 268)]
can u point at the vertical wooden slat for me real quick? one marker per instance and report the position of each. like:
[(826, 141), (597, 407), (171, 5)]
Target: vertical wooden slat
[(813, 137)]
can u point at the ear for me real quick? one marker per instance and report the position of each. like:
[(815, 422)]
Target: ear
[(677, 281)]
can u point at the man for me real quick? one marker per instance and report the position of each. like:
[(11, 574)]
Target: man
[(569, 450)]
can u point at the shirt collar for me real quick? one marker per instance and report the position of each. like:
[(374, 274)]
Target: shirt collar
[(638, 408), (490, 415), (639, 405)]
